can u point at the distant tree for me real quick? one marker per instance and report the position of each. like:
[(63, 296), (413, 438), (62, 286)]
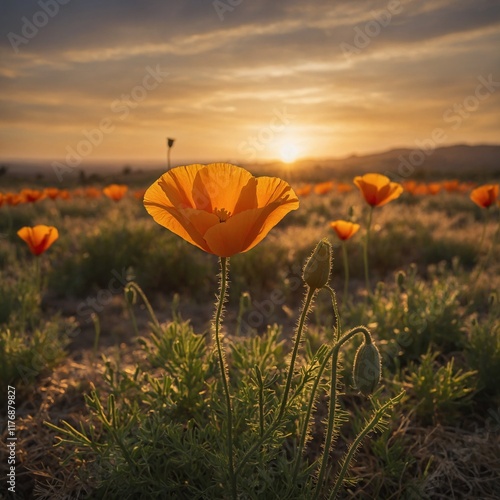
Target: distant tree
[(3, 170), (126, 170)]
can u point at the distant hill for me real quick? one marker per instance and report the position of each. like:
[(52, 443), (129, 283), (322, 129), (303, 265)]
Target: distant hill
[(480, 162), (477, 162)]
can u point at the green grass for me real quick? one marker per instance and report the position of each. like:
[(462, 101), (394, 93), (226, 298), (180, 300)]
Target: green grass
[(152, 423)]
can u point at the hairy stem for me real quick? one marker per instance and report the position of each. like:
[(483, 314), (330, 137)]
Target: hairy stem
[(223, 369), (303, 316), (333, 401), (277, 421), (482, 263), (369, 427), (365, 253), (346, 274)]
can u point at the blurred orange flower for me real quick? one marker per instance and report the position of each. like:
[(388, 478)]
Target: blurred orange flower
[(377, 189), (38, 238), (92, 192), (323, 187), (304, 190), (32, 195), (485, 196), (64, 194), (13, 199), (2, 199), (409, 186), (115, 191), (433, 188), (344, 229), (220, 208), (51, 193), (450, 186), (342, 187), (421, 189)]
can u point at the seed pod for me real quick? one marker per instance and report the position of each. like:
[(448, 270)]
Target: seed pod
[(367, 368), (317, 269)]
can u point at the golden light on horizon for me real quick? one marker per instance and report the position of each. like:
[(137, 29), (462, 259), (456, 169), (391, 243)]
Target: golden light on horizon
[(289, 151)]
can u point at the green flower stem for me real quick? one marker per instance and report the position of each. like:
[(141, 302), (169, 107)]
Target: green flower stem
[(370, 426), (312, 397), (303, 316), (482, 264), (38, 275), (138, 289), (338, 326), (334, 352), (483, 234), (365, 253), (346, 273), (223, 369), (277, 421)]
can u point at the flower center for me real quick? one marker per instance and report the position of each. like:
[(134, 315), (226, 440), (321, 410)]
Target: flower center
[(222, 213)]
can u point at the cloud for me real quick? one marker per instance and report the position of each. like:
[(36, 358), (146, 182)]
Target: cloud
[(226, 77)]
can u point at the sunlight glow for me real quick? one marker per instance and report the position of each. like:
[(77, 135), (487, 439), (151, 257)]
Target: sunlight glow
[(289, 152)]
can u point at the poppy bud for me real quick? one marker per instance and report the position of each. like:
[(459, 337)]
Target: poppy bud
[(401, 279), (130, 295), (317, 269), (367, 368)]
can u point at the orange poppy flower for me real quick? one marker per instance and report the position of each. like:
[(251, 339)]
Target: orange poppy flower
[(410, 186), (433, 188), (92, 192), (13, 199), (421, 189), (64, 194), (51, 193), (323, 187), (220, 208), (342, 187), (485, 196), (344, 229), (32, 195), (38, 238), (115, 191), (304, 190), (377, 189), (451, 186)]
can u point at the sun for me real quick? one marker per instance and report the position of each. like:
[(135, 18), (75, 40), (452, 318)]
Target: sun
[(289, 152)]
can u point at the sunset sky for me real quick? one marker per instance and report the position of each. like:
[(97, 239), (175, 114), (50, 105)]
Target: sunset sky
[(244, 80)]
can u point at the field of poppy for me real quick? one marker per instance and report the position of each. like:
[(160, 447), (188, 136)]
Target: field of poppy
[(353, 349)]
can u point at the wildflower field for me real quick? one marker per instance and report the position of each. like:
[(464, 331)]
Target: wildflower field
[(203, 333)]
